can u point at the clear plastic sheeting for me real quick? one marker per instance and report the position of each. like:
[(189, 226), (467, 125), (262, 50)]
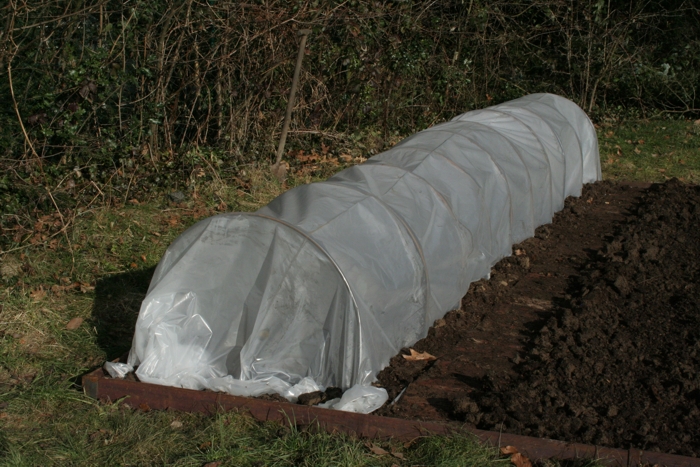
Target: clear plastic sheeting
[(118, 370), (325, 284)]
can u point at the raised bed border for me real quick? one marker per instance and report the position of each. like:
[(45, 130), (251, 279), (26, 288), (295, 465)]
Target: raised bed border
[(155, 397)]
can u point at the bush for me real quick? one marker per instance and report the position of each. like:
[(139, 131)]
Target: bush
[(103, 85)]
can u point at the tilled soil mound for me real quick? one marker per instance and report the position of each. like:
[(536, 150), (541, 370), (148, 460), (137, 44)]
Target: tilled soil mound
[(600, 347)]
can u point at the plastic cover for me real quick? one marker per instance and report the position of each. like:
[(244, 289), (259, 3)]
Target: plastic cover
[(325, 284)]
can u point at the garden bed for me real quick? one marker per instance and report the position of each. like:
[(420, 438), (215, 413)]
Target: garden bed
[(589, 333)]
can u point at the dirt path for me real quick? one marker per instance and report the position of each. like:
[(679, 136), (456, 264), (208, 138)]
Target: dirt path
[(589, 332)]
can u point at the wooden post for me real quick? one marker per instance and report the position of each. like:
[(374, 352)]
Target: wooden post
[(279, 169)]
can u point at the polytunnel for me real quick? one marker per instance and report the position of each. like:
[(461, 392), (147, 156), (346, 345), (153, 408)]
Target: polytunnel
[(324, 285)]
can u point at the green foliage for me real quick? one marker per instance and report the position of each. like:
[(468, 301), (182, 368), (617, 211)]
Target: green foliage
[(95, 80)]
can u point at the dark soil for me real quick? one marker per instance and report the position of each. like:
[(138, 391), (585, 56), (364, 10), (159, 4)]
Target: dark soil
[(590, 332)]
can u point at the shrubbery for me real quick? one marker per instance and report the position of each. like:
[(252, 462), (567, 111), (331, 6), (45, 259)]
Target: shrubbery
[(105, 88)]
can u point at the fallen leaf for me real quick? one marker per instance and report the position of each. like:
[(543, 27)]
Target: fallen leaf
[(419, 356), (662, 170), (74, 324), (519, 252), (408, 444), (332, 161), (205, 445), (143, 258), (176, 424), (134, 265), (38, 294), (213, 464), (377, 450), (518, 460), (84, 287), (144, 407), (134, 201), (696, 122), (397, 454), (637, 150), (478, 341)]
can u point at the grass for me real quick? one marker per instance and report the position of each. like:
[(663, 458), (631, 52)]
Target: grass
[(99, 272), (99, 434), (651, 151)]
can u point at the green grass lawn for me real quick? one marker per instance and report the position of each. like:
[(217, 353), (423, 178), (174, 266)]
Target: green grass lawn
[(94, 276), (652, 151)]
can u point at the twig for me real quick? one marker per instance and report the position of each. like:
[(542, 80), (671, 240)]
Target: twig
[(290, 104), (64, 230), (14, 102), (126, 195), (150, 152)]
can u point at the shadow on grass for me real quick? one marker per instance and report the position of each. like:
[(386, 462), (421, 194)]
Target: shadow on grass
[(118, 298)]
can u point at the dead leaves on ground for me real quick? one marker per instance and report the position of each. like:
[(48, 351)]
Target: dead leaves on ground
[(516, 458), (74, 324), (419, 356), (314, 161), (37, 294), (383, 452), (82, 287), (376, 449)]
